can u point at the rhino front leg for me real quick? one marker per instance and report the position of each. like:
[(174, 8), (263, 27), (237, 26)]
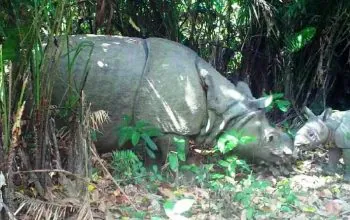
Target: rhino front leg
[(333, 158), (168, 143), (346, 157)]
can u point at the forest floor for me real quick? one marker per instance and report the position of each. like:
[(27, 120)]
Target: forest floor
[(304, 194)]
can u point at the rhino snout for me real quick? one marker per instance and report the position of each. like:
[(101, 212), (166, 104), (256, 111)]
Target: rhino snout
[(295, 154), (287, 151), (300, 141), (281, 155), (282, 152)]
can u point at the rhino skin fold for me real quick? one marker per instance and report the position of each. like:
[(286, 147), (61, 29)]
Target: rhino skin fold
[(170, 86)]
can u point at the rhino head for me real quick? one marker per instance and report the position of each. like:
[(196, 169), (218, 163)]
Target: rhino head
[(233, 107), (315, 131), (271, 145)]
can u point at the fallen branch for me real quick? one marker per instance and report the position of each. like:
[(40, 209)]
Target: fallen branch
[(111, 177)]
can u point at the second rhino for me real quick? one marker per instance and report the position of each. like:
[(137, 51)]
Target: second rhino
[(331, 128)]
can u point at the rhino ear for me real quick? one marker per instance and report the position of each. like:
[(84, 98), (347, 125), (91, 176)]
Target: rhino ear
[(309, 113), (243, 88), (263, 102), (326, 113)]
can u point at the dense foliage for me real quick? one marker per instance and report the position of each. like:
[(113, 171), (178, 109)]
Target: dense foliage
[(296, 47)]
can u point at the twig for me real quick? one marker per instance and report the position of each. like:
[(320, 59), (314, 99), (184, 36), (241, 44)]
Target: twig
[(52, 133), (11, 216), (53, 170), (33, 176)]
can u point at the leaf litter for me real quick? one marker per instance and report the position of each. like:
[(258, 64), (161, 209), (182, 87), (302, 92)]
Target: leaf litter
[(304, 194)]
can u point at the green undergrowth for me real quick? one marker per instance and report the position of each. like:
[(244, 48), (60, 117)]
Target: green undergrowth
[(219, 181), (225, 178)]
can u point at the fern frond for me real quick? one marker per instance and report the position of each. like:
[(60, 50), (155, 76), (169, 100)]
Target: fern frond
[(97, 118), (85, 212), (297, 41), (42, 209)]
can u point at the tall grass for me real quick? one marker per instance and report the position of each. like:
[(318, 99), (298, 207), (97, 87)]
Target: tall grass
[(5, 111), (26, 85)]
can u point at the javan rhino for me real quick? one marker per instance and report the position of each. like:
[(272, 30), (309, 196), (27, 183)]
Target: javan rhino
[(331, 128), (170, 86)]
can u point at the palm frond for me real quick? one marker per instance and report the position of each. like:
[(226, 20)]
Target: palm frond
[(97, 118), (48, 210)]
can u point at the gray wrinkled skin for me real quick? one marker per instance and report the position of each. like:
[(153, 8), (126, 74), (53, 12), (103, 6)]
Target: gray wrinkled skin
[(268, 138), (168, 85), (331, 128)]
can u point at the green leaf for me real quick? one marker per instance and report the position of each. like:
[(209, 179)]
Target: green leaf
[(177, 208), (124, 135), (173, 161), (283, 105), (243, 165), (93, 135), (240, 196), (298, 40), (151, 131), (155, 168), (150, 143), (260, 184), (309, 209), (141, 124), (169, 205), (150, 153), (250, 213), (232, 170), (247, 139), (139, 214), (126, 120), (11, 46), (277, 95), (219, 6), (135, 138), (231, 159), (180, 144), (227, 143), (192, 167), (217, 176), (285, 208), (223, 163)]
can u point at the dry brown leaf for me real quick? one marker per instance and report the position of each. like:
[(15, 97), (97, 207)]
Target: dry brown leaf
[(256, 199), (166, 192), (302, 198), (335, 206), (326, 193), (116, 192), (95, 196), (201, 193), (102, 206), (122, 199)]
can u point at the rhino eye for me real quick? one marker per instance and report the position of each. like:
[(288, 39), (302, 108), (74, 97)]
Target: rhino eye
[(270, 139), (312, 135)]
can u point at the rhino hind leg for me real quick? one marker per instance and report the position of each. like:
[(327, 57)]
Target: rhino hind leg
[(346, 157), (334, 155), (167, 143)]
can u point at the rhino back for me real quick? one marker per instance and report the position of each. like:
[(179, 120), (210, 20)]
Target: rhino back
[(342, 133), (115, 70), (170, 94)]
